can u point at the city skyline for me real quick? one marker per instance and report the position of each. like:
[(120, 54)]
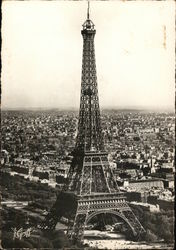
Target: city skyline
[(135, 61)]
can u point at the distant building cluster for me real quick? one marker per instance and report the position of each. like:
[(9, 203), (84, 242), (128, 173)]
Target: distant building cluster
[(141, 146), (38, 144)]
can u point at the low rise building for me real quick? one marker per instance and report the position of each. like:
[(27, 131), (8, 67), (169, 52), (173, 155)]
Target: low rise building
[(144, 184), (146, 206)]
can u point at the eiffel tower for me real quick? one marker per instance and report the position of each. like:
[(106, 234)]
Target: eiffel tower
[(91, 188)]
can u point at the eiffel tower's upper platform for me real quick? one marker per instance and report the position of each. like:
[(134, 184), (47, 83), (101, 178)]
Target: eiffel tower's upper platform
[(88, 25)]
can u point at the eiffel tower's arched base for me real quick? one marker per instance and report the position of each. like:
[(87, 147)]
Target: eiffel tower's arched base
[(81, 209)]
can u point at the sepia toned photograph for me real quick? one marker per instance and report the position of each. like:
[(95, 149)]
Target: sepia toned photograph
[(87, 124)]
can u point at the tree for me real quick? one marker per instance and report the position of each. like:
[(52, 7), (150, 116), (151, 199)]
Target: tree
[(165, 231), (58, 239), (150, 237), (156, 224)]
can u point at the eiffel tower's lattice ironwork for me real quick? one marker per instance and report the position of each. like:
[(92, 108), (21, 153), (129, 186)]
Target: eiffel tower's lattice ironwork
[(89, 128), (91, 188)]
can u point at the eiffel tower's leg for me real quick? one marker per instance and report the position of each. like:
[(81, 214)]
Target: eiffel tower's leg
[(77, 232), (134, 223), (78, 228)]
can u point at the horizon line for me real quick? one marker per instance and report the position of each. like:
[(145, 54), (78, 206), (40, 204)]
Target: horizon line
[(139, 108)]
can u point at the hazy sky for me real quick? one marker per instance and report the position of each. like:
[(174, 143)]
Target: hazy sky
[(42, 53)]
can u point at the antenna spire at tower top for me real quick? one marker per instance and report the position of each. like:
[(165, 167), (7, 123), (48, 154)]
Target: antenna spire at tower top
[(88, 10)]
